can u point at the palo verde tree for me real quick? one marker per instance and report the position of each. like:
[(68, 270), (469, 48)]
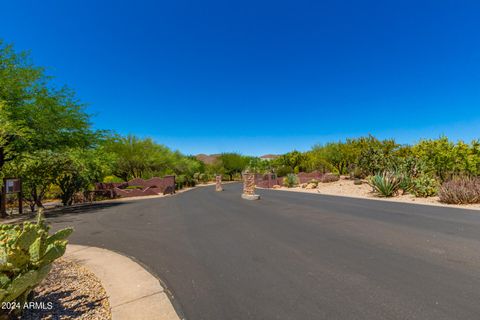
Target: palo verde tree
[(33, 114), (232, 163)]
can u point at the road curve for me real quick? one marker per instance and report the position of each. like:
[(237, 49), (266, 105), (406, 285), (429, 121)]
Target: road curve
[(295, 256)]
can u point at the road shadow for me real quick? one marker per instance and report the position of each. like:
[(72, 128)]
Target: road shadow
[(54, 214)]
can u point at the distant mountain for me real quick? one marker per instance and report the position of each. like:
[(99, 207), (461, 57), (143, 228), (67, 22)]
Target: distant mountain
[(207, 159)]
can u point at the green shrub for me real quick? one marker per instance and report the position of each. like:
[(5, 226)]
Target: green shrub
[(356, 173), (460, 191), (204, 178), (283, 171), (425, 186), (26, 255), (109, 179), (406, 183), (314, 182), (385, 184), (182, 181), (330, 177), (290, 180)]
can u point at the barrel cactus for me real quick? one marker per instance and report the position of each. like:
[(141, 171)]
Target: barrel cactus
[(26, 255)]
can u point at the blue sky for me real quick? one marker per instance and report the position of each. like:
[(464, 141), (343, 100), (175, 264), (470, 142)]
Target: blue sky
[(261, 76)]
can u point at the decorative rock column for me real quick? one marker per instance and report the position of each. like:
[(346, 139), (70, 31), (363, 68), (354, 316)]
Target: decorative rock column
[(249, 186), (218, 183)]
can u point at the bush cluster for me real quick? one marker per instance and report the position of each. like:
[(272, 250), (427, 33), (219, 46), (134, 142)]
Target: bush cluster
[(290, 181), (461, 190)]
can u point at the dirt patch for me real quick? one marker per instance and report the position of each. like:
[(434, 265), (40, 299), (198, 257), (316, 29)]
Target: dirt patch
[(345, 187)]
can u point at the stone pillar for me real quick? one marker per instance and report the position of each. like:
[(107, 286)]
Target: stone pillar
[(249, 186), (218, 183)]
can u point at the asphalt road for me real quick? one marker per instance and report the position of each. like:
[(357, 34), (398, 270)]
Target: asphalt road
[(296, 256)]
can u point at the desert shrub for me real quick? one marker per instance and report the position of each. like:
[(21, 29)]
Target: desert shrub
[(460, 191), (425, 186), (356, 173), (406, 183), (109, 179), (376, 155), (27, 252), (314, 182), (182, 181), (330, 177), (282, 171), (290, 180), (385, 184), (204, 178)]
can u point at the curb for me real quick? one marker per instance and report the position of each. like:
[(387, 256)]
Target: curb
[(133, 292)]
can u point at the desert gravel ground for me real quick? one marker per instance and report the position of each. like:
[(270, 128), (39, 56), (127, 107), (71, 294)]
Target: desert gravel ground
[(345, 187), (73, 291)]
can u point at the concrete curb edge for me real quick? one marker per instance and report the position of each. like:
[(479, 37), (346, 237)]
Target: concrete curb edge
[(134, 293)]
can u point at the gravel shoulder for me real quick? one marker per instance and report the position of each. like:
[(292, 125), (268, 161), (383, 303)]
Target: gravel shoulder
[(346, 188), (70, 291)]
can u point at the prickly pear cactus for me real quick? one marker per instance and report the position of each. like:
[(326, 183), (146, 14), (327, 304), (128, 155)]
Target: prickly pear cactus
[(26, 254)]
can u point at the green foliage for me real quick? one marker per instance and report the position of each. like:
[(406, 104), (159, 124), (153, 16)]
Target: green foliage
[(133, 157), (112, 179), (290, 180), (406, 183), (460, 190), (375, 155), (385, 184), (338, 156), (33, 114), (80, 168), (447, 159), (26, 254), (39, 170), (183, 181), (290, 162), (425, 185), (232, 164), (258, 165)]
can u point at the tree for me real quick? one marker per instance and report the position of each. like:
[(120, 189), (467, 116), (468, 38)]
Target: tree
[(12, 135), (80, 169), (375, 155), (34, 115), (232, 163), (133, 157), (293, 162), (39, 170)]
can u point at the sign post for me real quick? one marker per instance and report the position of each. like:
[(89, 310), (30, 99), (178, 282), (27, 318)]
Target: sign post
[(10, 186)]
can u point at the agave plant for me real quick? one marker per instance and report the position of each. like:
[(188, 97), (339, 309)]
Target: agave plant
[(385, 184)]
